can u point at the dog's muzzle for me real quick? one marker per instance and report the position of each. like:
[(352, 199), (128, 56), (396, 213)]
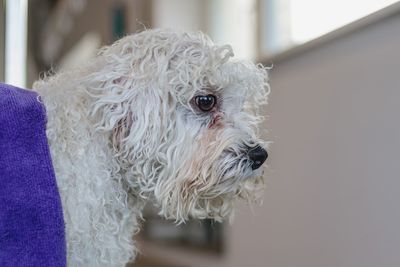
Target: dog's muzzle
[(257, 155)]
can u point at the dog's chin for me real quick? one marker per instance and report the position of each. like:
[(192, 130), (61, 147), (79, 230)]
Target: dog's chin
[(250, 189), (218, 208), (247, 187), (246, 184)]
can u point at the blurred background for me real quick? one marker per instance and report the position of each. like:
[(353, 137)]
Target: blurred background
[(333, 179)]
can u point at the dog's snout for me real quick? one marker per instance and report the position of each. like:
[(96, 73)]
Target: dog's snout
[(257, 155)]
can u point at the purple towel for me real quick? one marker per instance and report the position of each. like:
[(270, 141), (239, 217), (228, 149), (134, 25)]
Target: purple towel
[(31, 219)]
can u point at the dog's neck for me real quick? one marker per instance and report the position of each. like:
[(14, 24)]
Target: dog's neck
[(91, 185)]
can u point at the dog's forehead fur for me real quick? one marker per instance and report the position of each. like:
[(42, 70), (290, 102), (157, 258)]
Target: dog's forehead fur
[(184, 64)]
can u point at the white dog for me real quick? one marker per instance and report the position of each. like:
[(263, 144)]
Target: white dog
[(158, 116)]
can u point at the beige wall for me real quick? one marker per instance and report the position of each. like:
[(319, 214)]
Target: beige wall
[(334, 189), (334, 178)]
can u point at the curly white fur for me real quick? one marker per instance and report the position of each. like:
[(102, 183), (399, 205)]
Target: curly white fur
[(123, 130)]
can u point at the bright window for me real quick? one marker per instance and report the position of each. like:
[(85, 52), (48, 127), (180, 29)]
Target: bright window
[(313, 18), (15, 42), (286, 23)]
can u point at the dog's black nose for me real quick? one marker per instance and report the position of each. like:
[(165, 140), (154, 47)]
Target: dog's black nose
[(258, 155)]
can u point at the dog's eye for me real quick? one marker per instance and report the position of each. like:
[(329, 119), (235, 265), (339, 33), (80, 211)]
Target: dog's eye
[(206, 102)]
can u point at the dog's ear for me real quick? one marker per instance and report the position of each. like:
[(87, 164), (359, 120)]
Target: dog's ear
[(133, 113), (128, 89)]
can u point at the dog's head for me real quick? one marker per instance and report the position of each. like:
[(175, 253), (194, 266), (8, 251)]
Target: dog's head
[(183, 121)]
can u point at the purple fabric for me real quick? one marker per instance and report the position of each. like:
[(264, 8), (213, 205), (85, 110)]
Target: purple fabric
[(31, 219)]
